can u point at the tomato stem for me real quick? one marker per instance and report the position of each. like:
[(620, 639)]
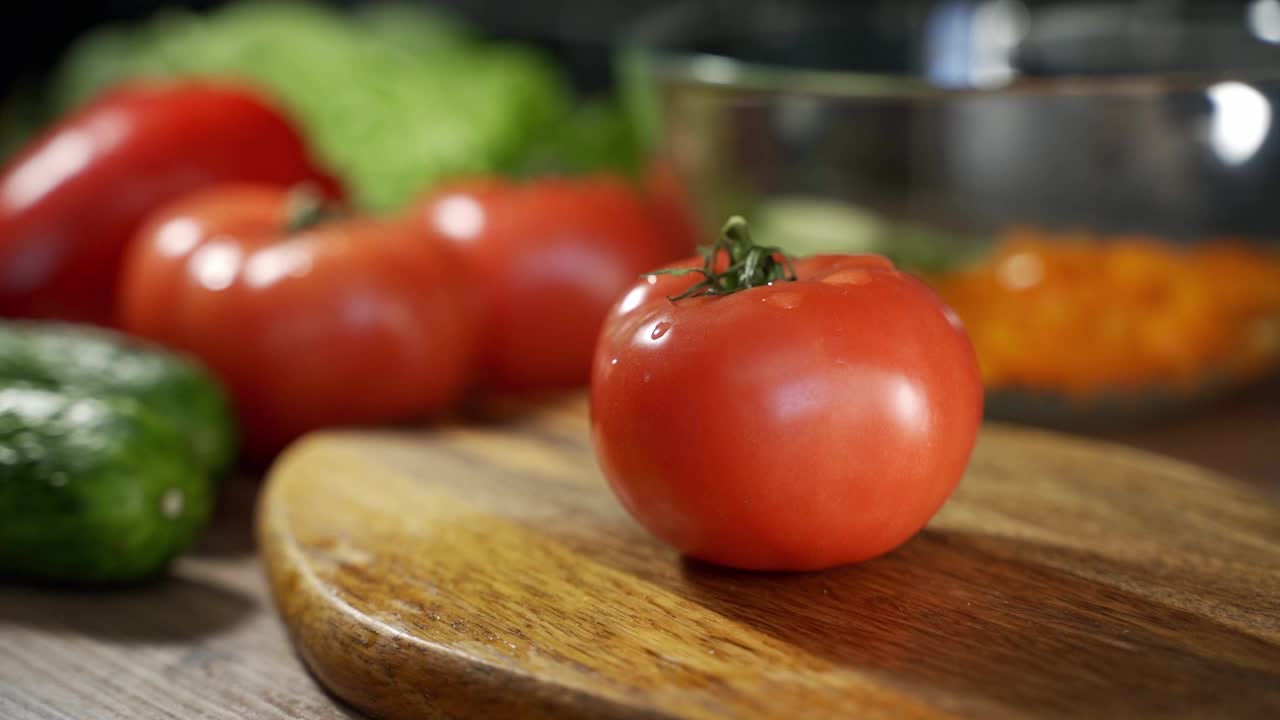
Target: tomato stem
[(306, 207), (746, 265)]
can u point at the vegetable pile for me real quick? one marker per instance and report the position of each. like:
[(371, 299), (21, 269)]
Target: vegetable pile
[(162, 199), (393, 97), (352, 220)]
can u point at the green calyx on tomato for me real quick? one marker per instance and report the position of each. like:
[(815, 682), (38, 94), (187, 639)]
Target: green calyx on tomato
[(306, 207), (745, 264)]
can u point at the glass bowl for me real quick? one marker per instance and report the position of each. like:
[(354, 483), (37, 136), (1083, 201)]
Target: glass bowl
[(1092, 187)]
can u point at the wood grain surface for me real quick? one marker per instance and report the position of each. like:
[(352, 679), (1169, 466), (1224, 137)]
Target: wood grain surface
[(203, 642), (485, 571)]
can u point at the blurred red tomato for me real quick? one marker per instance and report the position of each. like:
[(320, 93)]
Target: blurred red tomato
[(674, 207), (354, 320), (72, 199), (549, 257)]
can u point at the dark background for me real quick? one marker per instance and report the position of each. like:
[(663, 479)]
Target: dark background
[(579, 32), (33, 34)]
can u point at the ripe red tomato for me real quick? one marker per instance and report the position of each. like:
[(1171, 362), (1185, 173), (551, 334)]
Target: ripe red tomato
[(789, 425), (70, 202), (549, 257), (354, 320)]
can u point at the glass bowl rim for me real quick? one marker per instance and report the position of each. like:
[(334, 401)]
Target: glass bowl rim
[(642, 44)]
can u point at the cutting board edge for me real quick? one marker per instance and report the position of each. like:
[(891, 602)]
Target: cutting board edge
[(301, 602)]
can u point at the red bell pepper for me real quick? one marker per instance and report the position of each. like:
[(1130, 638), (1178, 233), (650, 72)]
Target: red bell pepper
[(71, 201)]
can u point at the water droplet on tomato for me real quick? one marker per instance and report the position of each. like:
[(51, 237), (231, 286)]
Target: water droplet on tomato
[(659, 330), (784, 300), (850, 276), (613, 361)]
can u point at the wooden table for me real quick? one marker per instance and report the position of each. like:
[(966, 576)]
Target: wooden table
[(1239, 437), (206, 643)]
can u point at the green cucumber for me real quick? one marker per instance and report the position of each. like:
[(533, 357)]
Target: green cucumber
[(110, 451), (104, 363), (93, 490)]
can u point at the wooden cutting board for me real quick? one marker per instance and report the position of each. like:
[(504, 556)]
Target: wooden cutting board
[(485, 571)]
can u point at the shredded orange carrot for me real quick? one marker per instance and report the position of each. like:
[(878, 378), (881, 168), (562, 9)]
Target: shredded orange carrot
[(1080, 313)]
